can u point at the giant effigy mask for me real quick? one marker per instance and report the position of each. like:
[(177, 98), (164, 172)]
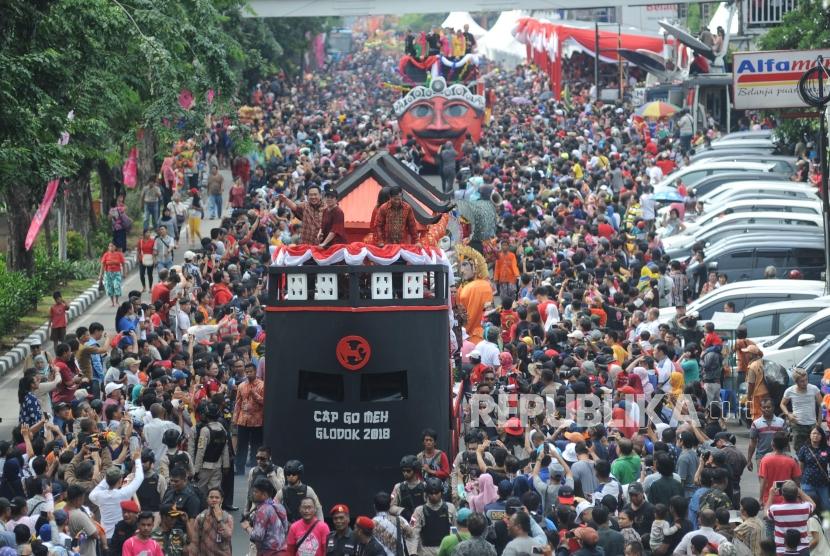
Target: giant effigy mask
[(439, 113)]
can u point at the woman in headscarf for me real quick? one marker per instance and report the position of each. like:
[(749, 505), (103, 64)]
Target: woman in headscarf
[(677, 383), (487, 493), (642, 373), (636, 384)]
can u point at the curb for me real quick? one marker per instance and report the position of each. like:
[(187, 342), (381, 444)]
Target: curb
[(78, 307)]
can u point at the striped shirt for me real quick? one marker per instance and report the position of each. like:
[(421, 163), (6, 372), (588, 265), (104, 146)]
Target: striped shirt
[(790, 515), (763, 431)]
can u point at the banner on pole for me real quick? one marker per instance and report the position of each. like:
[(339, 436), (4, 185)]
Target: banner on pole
[(42, 213)]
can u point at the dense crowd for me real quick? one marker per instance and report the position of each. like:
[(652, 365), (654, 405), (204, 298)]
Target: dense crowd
[(132, 432)]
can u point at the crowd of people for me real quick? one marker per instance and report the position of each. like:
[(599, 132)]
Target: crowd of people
[(132, 432)]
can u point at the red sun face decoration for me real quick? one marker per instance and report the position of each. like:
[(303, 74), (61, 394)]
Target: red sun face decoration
[(353, 352), (439, 113)]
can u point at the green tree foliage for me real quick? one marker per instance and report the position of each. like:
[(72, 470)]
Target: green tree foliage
[(804, 28), (118, 66)]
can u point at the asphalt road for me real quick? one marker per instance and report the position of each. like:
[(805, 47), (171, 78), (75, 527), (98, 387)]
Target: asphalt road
[(102, 312)]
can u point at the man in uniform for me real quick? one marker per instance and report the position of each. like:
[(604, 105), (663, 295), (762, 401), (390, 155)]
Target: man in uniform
[(409, 493), (172, 532), (368, 545), (292, 494), (154, 485), (212, 454), (342, 541), (431, 521)]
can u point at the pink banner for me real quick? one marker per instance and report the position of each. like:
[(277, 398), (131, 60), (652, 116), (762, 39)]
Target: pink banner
[(130, 169), (42, 213)]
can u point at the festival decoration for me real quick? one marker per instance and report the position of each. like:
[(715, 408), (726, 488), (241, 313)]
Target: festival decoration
[(440, 113), (130, 169), (186, 99), (42, 213)]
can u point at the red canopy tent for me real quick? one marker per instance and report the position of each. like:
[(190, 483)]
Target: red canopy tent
[(544, 41)]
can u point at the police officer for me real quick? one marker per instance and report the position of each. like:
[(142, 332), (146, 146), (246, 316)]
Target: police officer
[(432, 520), (154, 485), (409, 493), (294, 491), (341, 541), (212, 454)]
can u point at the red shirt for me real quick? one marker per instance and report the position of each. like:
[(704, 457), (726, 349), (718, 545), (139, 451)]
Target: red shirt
[(57, 315), (333, 222), (113, 261), (776, 467), (221, 294), (160, 292), (145, 246), (666, 165), (712, 339), (64, 393), (136, 547), (605, 230)]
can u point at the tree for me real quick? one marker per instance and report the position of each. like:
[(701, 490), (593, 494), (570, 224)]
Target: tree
[(805, 27), (119, 67)]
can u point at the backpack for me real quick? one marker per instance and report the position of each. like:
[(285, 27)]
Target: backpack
[(126, 221)]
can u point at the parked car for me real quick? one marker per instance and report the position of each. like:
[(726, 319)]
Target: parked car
[(748, 261), (709, 154), (764, 322), (816, 361), (715, 212), (784, 164), (757, 189), (690, 175), (796, 343), (745, 234), (748, 294), (780, 218), (717, 181), (741, 135)]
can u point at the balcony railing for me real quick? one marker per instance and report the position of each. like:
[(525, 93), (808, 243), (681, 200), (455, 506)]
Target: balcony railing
[(765, 13)]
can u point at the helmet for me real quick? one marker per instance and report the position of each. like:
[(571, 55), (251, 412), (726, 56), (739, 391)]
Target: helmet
[(794, 274), (434, 486), (171, 438), (212, 411), (293, 467), (409, 462)]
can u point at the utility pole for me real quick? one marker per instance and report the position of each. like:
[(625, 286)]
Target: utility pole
[(596, 57), (813, 88)]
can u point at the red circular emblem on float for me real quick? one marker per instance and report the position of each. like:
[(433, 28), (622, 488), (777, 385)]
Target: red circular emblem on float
[(353, 352)]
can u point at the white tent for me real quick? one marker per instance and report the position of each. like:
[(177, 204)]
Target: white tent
[(457, 20), (499, 44), (721, 19)]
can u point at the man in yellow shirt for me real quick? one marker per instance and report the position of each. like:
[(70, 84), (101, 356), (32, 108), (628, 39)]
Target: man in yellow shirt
[(272, 151)]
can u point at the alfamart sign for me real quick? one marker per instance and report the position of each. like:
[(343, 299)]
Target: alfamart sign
[(769, 79)]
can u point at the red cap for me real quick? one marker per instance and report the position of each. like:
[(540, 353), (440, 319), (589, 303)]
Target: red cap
[(129, 506), (365, 523), (513, 427), (339, 509), (627, 390)]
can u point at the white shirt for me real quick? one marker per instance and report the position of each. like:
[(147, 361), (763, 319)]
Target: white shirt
[(647, 205), (655, 174), (202, 331), (685, 546), (803, 403), (489, 353), (109, 499), (154, 430), (664, 370)]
